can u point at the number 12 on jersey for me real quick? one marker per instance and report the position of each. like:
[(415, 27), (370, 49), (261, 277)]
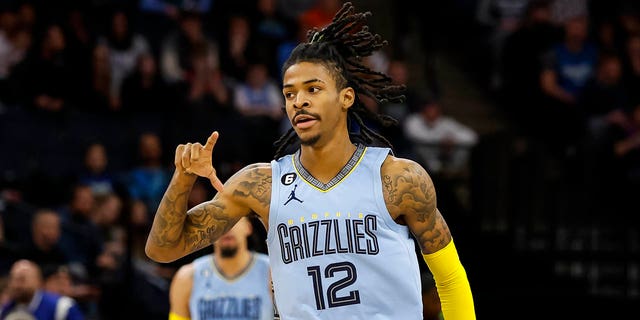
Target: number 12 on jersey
[(333, 297)]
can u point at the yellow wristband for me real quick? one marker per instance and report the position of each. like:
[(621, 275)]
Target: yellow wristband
[(174, 316)]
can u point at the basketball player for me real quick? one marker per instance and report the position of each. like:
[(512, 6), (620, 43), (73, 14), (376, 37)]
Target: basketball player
[(342, 211), (232, 283)]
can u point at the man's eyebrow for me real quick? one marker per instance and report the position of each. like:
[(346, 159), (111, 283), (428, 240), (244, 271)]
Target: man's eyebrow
[(306, 82)]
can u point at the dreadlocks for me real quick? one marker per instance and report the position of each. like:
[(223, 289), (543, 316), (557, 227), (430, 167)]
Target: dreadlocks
[(340, 47)]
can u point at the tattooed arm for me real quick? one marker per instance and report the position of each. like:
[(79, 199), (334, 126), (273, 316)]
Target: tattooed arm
[(176, 232), (411, 199)]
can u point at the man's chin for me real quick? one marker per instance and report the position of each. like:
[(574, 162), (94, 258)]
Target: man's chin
[(228, 252), (309, 141)]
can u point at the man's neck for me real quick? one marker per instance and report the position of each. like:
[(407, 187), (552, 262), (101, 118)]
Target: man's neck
[(233, 266), (325, 161)]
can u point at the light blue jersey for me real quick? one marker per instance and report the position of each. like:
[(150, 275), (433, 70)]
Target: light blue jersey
[(335, 251), (245, 297)]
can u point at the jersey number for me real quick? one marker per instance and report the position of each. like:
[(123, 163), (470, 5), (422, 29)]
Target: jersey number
[(332, 291)]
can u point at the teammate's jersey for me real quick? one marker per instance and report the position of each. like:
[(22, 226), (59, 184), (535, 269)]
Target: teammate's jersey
[(335, 251), (245, 297)]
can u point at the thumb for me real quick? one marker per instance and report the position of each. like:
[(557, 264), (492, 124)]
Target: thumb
[(215, 182), (211, 141)]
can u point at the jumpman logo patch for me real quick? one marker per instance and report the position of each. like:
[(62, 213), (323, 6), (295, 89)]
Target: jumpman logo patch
[(292, 195)]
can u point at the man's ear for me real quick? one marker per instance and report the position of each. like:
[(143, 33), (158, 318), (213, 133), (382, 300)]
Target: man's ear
[(347, 97)]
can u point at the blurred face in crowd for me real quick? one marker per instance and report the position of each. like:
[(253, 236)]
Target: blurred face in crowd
[(577, 29), (24, 280), (82, 200), (150, 148), (120, 25), (541, 14), (46, 229), (59, 282), (633, 47), (55, 38), (257, 75), (398, 72), (96, 158), (431, 112), (108, 212), (192, 28), (147, 65), (235, 239), (610, 71)]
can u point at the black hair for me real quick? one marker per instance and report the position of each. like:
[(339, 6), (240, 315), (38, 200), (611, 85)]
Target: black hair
[(340, 47)]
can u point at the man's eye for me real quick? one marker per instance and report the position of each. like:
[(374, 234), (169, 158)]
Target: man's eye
[(314, 89), (288, 95)]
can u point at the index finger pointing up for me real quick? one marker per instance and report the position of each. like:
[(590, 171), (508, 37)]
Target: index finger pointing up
[(211, 141)]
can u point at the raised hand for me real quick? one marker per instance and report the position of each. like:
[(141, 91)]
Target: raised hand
[(194, 158)]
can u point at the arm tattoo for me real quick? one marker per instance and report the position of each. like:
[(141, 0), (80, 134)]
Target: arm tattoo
[(167, 227), (257, 185), (205, 223), (411, 193)]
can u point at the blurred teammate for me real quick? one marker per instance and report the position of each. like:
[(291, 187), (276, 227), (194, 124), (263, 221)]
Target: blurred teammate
[(341, 212), (232, 283)]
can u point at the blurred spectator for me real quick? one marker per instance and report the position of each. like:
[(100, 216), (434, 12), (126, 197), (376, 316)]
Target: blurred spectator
[(522, 63), (568, 67), (94, 171), (147, 181), (259, 95), (47, 76), (125, 46), (44, 248), (58, 279), (159, 17), (237, 47), (15, 40), (271, 28), (260, 101), (206, 85), (570, 64), (81, 239), (106, 216), (28, 300), (442, 143), (144, 89), (400, 72), (101, 97), (15, 222), (605, 100), (503, 18), (179, 47)]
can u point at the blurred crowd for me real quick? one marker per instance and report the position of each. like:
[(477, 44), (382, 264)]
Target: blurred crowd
[(94, 97)]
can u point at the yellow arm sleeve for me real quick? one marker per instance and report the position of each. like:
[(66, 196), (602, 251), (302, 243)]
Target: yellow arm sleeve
[(452, 283), (175, 316)]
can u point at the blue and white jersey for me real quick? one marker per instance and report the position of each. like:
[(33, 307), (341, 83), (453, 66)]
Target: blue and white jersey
[(335, 251), (245, 297)]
